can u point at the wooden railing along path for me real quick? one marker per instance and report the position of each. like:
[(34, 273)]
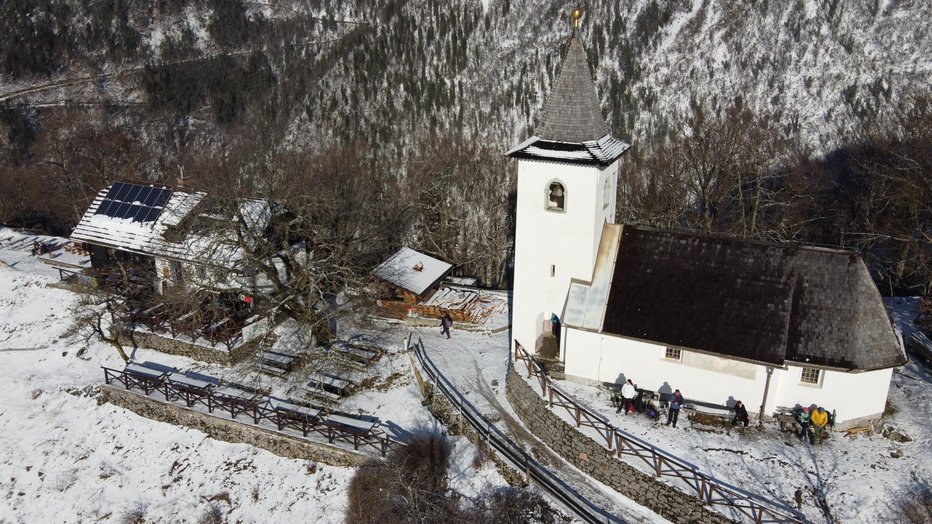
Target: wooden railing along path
[(514, 454), (710, 490)]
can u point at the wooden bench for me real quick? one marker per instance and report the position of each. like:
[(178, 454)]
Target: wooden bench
[(707, 412), (786, 419)]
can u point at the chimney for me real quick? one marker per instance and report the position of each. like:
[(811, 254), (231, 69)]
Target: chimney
[(182, 181)]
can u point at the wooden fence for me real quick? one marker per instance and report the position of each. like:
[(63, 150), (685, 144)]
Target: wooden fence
[(708, 489), (259, 409)]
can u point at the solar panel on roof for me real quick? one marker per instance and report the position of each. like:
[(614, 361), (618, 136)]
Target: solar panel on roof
[(133, 192), (162, 199), (137, 202), (143, 194), (121, 191)]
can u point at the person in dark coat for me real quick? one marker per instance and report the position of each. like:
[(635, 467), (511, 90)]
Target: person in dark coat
[(675, 404), (741, 415), (445, 324)]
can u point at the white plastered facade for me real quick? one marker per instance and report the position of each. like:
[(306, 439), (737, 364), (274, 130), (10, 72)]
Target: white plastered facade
[(593, 357), (553, 246)]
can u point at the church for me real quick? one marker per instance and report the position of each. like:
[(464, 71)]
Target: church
[(719, 318)]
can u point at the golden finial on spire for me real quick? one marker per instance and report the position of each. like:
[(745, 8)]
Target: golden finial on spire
[(577, 14)]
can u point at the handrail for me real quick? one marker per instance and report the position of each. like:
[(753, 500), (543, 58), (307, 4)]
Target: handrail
[(709, 489), (545, 479), (258, 408)]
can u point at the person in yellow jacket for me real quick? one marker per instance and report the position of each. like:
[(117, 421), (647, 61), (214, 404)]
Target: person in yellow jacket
[(819, 420)]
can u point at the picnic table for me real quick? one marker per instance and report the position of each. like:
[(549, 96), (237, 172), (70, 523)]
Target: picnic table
[(235, 392), (332, 382), (148, 377), (219, 330), (275, 362), (356, 425), (237, 399), (144, 371), (187, 323), (291, 407), (356, 353), (190, 382), (191, 389)]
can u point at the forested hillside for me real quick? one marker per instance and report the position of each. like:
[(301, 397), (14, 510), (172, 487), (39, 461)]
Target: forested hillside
[(802, 120)]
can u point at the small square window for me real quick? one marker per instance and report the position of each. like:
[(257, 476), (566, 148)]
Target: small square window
[(673, 354), (810, 376)]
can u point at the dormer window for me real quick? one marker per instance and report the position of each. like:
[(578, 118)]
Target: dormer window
[(556, 197)]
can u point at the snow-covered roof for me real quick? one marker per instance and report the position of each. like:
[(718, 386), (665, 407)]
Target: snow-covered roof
[(144, 231), (412, 271), (135, 233), (603, 151)]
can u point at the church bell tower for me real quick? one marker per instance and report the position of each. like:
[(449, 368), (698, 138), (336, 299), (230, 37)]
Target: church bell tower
[(567, 176)]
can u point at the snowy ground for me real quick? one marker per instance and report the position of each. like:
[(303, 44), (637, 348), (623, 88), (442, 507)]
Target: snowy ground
[(65, 458)]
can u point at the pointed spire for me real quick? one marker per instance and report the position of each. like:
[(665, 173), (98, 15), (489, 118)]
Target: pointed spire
[(572, 112)]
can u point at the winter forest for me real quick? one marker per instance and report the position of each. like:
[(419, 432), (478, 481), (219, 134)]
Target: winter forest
[(384, 122)]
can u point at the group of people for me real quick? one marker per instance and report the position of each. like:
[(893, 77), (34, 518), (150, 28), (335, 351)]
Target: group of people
[(812, 423), (631, 401), (39, 248)]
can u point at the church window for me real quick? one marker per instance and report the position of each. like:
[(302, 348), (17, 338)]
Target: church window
[(810, 376), (556, 197), (673, 354)]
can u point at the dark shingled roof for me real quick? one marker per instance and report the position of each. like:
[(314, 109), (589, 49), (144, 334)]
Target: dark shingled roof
[(572, 112), (750, 300)]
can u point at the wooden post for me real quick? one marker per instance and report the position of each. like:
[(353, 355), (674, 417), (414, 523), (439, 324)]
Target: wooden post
[(659, 465)]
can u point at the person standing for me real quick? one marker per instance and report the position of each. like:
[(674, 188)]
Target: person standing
[(675, 404), (628, 392), (819, 420), (445, 324), (741, 415), (804, 431)]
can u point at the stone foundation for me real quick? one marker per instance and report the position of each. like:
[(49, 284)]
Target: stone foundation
[(232, 431), (218, 354)]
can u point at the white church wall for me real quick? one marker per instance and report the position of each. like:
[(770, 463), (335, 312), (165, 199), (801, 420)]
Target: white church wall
[(595, 357), (552, 247), (854, 396)]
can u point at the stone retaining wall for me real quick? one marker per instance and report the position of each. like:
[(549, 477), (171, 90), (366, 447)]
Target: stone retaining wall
[(598, 462), (218, 354), (231, 430)]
